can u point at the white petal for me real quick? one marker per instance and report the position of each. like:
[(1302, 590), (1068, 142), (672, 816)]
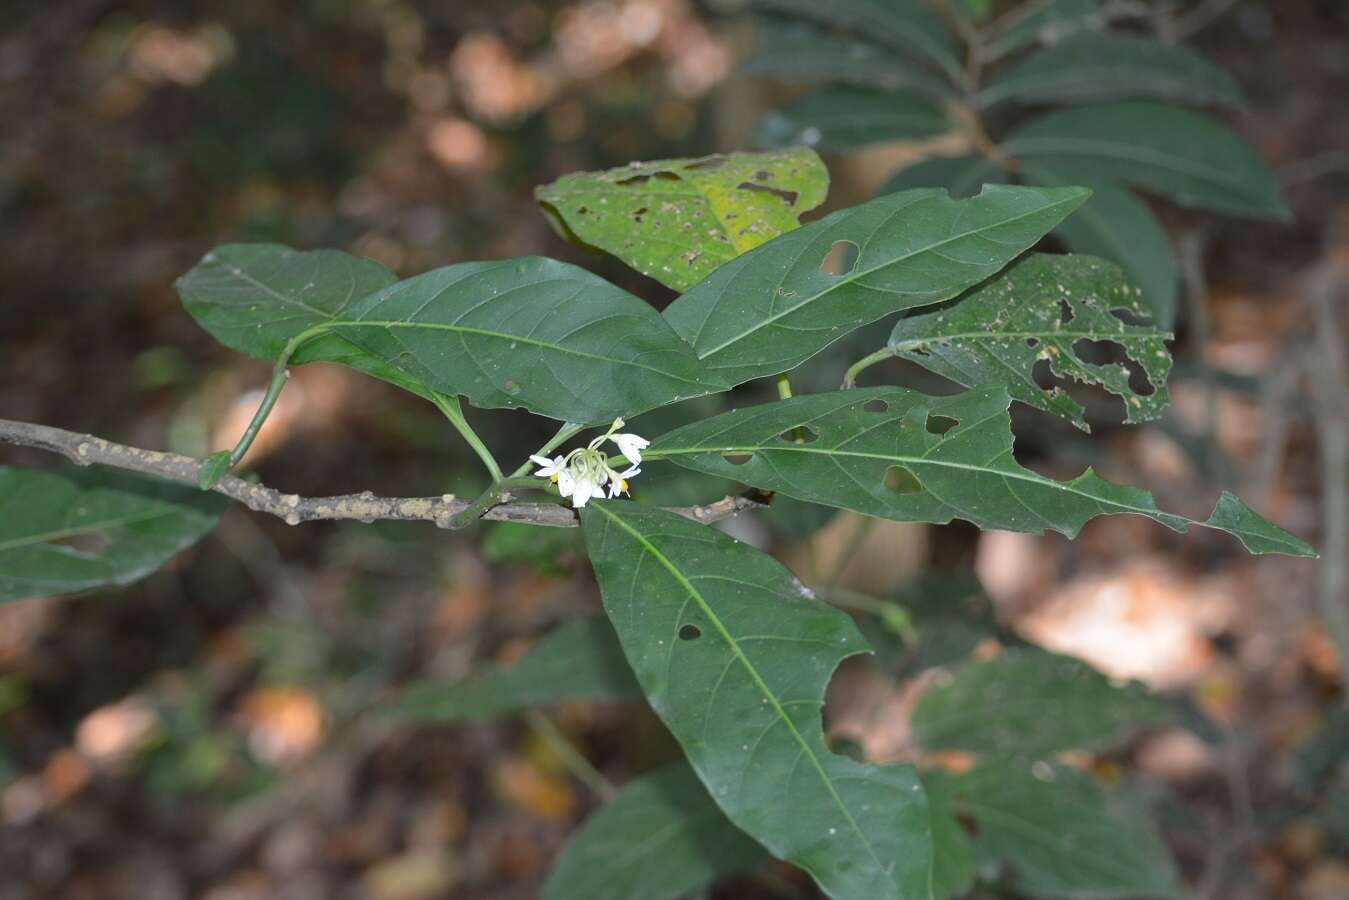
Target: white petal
[(541, 460), (565, 482), (580, 498), (631, 446)]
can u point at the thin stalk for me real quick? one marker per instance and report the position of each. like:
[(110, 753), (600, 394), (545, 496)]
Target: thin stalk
[(493, 496), (454, 411), (572, 758), (564, 434), (280, 375), (784, 388), (866, 362)]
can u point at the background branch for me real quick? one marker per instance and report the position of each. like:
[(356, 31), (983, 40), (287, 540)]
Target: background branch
[(85, 449)]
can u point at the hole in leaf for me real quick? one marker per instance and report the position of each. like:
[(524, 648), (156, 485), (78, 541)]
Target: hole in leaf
[(1065, 312), (690, 633), (900, 480), (633, 181), (940, 424), (737, 459), (788, 197), (1132, 316), (1032, 342), (637, 215), (841, 258), (876, 405), (714, 162), (1139, 382), (968, 823), (801, 434), (666, 176), (1045, 376), (582, 210)]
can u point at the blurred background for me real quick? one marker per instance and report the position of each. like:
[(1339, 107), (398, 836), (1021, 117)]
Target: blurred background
[(216, 730)]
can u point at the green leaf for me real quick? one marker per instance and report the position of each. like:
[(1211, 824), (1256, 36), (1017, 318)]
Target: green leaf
[(580, 659), (661, 838), (1255, 534), (545, 550), (77, 529), (944, 617), (677, 220), (1064, 834), (908, 25), (773, 308), (1027, 704), (1191, 159), (1048, 22), (901, 455), (528, 333), (798, 53), (1118, 226), (1049, 309), (734, 656), (842, 118), (1111, 66), (963, 176), (953, 862)]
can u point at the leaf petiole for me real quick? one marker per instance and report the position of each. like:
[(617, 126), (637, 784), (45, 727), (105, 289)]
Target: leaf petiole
[(866, 362), (454, 411)]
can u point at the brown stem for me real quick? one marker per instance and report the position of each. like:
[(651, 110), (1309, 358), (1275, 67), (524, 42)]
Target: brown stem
[(85, 449)]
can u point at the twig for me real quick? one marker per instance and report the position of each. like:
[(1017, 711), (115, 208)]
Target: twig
[(85, 449)]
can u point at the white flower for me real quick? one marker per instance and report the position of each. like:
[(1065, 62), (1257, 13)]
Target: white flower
[(549, 468), (587, 487), (618, 481), (631, 446), (565, 482)]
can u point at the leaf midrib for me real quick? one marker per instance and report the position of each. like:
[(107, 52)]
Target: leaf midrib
[(739, 654), (48, 536), (862, 273), (1154, 514)]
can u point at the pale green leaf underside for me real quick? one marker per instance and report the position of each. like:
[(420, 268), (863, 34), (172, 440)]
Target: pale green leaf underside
[(773, 308), (1181, 155), (734, 656), (1111, 66), (798, 53), (677, 220), (888, 462), (1119, 226), (579, 660), (1064, 835), (661, 838), (842, 118), (1047, 309), (907, 25), (1027, 704), (77, 529)]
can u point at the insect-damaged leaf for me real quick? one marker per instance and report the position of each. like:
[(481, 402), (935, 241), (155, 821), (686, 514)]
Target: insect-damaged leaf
[(773, 308), (677, 220), (1119, 226), (734, 656), (902, 455), (847, 118), (77, 529), (581, 659), (1055, 310), (686, 843)]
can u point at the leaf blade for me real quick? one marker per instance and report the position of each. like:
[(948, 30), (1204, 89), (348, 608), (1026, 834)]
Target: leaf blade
[(702, 644), (72, 530), (1092, 66), (1184, 156), (889, 463), (580, 659), (686, 844), (767, 311), (843, 118)]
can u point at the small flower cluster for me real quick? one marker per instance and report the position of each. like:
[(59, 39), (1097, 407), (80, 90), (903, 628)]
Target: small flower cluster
[(583, 473)]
